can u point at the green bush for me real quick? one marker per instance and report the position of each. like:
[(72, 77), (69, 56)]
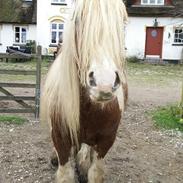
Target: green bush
[(31, 44), (133, 59), (168, 117)]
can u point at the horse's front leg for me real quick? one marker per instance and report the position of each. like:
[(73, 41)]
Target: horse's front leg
[(54, 159), (83, 162), (65, 173), (96, 171), (63, 149)]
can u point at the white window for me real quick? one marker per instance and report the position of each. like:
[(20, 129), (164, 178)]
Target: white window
[(152, 2), (20, 34), (178, 35), (59, 2), (57, 29)]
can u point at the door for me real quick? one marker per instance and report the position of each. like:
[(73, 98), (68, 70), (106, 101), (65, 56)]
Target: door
[(154, 41)]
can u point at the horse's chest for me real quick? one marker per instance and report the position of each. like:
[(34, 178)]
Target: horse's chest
[(98, 122)]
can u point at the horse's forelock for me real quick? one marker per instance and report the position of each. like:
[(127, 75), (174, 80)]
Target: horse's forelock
[(98, 24)]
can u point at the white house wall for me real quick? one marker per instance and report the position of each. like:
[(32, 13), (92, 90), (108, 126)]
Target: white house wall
[(7, 35), (136, 36), (45, 11), (31, 33)]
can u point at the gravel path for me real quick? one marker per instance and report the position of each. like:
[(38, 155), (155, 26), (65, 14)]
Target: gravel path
[(141, 153)]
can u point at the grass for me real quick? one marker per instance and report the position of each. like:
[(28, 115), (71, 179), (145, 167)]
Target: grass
[(138, 73), (160, 75), (167, 118), (12, 119), (27, 65)]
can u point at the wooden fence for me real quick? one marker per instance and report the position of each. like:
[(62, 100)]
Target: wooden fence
[(181, 57), (8, 96)]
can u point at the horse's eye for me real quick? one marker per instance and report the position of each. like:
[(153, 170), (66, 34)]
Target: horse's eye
[(91, 74), (117, 81), (92, 81)]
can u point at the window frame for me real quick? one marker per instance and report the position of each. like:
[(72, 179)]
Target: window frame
[(174, 38), (59, 2), (57, 30), (20, 34), (154, 4)]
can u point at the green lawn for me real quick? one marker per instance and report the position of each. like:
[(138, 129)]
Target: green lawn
[(154, 74), (137, 73), (28, 65), (12, 119)]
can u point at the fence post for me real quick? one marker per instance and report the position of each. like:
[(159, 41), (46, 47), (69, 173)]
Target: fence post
[(181, 60), (38, 81)]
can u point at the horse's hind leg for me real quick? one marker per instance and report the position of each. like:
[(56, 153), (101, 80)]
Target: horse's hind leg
[(83, 163), (96, 171)]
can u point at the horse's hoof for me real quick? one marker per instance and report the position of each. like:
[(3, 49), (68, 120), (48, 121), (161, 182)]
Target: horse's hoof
[(82, 179), (54, 160)]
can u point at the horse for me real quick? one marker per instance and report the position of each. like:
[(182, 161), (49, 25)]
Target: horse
[(85, 92)]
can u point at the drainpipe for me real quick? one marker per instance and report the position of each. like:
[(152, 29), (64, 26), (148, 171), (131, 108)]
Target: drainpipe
[(181, 104), (181, 60)]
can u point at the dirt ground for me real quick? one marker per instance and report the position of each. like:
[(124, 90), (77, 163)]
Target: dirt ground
[(141, 153)]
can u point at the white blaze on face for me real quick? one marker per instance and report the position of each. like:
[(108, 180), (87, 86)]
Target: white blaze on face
[(104, 72), (104, 77)]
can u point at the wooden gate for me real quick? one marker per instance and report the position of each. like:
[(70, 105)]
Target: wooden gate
[(25, 108)]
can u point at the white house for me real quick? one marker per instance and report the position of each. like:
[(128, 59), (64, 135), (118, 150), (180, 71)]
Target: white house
[(17, 23), (51, 16), (155, 29)]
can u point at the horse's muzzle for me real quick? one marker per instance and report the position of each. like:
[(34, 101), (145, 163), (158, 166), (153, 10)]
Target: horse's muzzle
[(101, 96)]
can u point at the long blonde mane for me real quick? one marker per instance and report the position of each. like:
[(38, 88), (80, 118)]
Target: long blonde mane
[(95, 26)]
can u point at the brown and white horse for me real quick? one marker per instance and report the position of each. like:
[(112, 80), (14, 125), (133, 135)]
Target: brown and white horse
[(86, 90)]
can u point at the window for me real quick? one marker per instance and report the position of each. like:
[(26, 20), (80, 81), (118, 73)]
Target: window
[(56, 32), (20, 34), (178, 35), (152, 2), (59, 2)]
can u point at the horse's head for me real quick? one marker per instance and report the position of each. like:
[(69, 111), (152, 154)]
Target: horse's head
[(103, 80)]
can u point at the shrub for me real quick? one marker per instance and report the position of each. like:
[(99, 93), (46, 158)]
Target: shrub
[(133, 59), (168, 117)]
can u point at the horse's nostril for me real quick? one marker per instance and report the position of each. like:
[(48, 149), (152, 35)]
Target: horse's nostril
[(117, 81), (91, 74), (106, 94), (92, 81)]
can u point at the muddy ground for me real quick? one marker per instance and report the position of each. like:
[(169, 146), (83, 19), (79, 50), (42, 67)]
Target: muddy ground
[(141, 153)]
